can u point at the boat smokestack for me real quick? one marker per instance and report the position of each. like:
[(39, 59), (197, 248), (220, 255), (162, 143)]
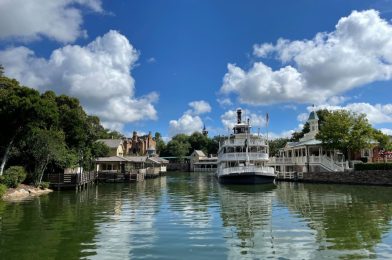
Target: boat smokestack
[(239, 112)]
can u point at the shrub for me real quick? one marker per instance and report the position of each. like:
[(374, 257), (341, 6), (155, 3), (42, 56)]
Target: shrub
[(372, 166), (44, 185), (3, 189), (13, 176)]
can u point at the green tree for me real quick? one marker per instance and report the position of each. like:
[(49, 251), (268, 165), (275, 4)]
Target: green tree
[(198, 141), (46, 146), (345, 131), (21, 109), (160, 144), (179, 146), (276, 144)]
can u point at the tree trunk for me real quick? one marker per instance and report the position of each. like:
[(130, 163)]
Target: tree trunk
[(5, 156), (43, 170)]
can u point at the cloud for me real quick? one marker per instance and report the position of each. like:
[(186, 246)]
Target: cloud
[(224, 102), (98, 74), (60, 20), (376, 114), (186, 124), (151, 60), (200, 107), (229, 119), (386, 131), (357, 52), (190, 121)]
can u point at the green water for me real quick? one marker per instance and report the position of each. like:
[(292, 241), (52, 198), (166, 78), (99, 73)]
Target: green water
[(191, 216)]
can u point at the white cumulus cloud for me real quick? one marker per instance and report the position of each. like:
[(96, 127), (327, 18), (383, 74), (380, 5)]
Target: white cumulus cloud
[(98, 74), (376, 114), (200, 107), (357, 52), (229, 119), (186, 124), (190, 121), (60, 20)]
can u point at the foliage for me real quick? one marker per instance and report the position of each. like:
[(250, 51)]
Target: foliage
[(277, 144), (99, 149), (13, 176), (3, 189), (160, 144), (46, 146), (57, 122), (384, 141), (321, 113), (44, 185), (298, 135), (372, 166), (183, 145), (345, 131)]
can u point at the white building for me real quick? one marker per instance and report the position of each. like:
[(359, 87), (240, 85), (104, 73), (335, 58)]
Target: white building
[(308, 155)]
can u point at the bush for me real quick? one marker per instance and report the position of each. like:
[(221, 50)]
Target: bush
[(44, 185), (3, 189), (372, 166), (13, 176)]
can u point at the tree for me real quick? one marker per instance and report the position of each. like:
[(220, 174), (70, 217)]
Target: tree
[(179, 146), (46, 146), (21, 109), (345, 131), (276, 144), (160, 144)]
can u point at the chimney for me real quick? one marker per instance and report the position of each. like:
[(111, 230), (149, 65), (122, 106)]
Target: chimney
[(239, 112)]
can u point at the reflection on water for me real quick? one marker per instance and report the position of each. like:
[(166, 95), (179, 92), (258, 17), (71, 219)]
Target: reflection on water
[(190, 214)]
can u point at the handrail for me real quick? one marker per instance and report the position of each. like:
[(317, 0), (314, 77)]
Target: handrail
[(241, 142), (249, 168), (243, 156)]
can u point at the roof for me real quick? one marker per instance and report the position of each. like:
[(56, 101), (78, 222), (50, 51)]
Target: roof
[(111, 159), (111, 143), (200, 153), (313, 115), (308, 142), (136, 158)]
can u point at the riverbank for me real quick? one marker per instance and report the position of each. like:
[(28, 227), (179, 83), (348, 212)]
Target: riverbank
[(24, 192)]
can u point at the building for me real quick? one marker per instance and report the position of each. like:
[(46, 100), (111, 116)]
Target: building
[(116, 146), (130, 164), (199, 162), (308, 155), (140, 145)]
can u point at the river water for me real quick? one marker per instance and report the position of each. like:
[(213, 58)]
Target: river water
[(191, 216)]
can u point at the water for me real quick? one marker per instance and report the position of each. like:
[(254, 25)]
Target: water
[(191, 216)]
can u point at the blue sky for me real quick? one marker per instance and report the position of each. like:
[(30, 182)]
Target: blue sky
[(171, 66)]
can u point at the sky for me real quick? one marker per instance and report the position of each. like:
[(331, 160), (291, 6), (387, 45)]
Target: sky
[(173, 66)]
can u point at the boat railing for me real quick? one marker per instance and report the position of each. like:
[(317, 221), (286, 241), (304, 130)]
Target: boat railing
[(241, 142), (249, 168), (243, 156)]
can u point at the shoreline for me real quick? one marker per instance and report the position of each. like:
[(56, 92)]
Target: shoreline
[(23, 192)]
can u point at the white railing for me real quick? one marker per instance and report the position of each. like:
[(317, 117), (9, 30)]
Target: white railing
[(241, 142), (323, 161), (289, 175), (249, 168), (197, 169), (243, 157)]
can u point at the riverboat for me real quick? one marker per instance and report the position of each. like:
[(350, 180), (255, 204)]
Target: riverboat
[(242, 157)]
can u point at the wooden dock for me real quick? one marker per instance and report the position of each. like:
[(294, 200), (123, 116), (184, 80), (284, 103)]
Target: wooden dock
[(71, 180)]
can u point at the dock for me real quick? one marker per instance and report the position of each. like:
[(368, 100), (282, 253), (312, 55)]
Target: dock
[(70, 180)]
